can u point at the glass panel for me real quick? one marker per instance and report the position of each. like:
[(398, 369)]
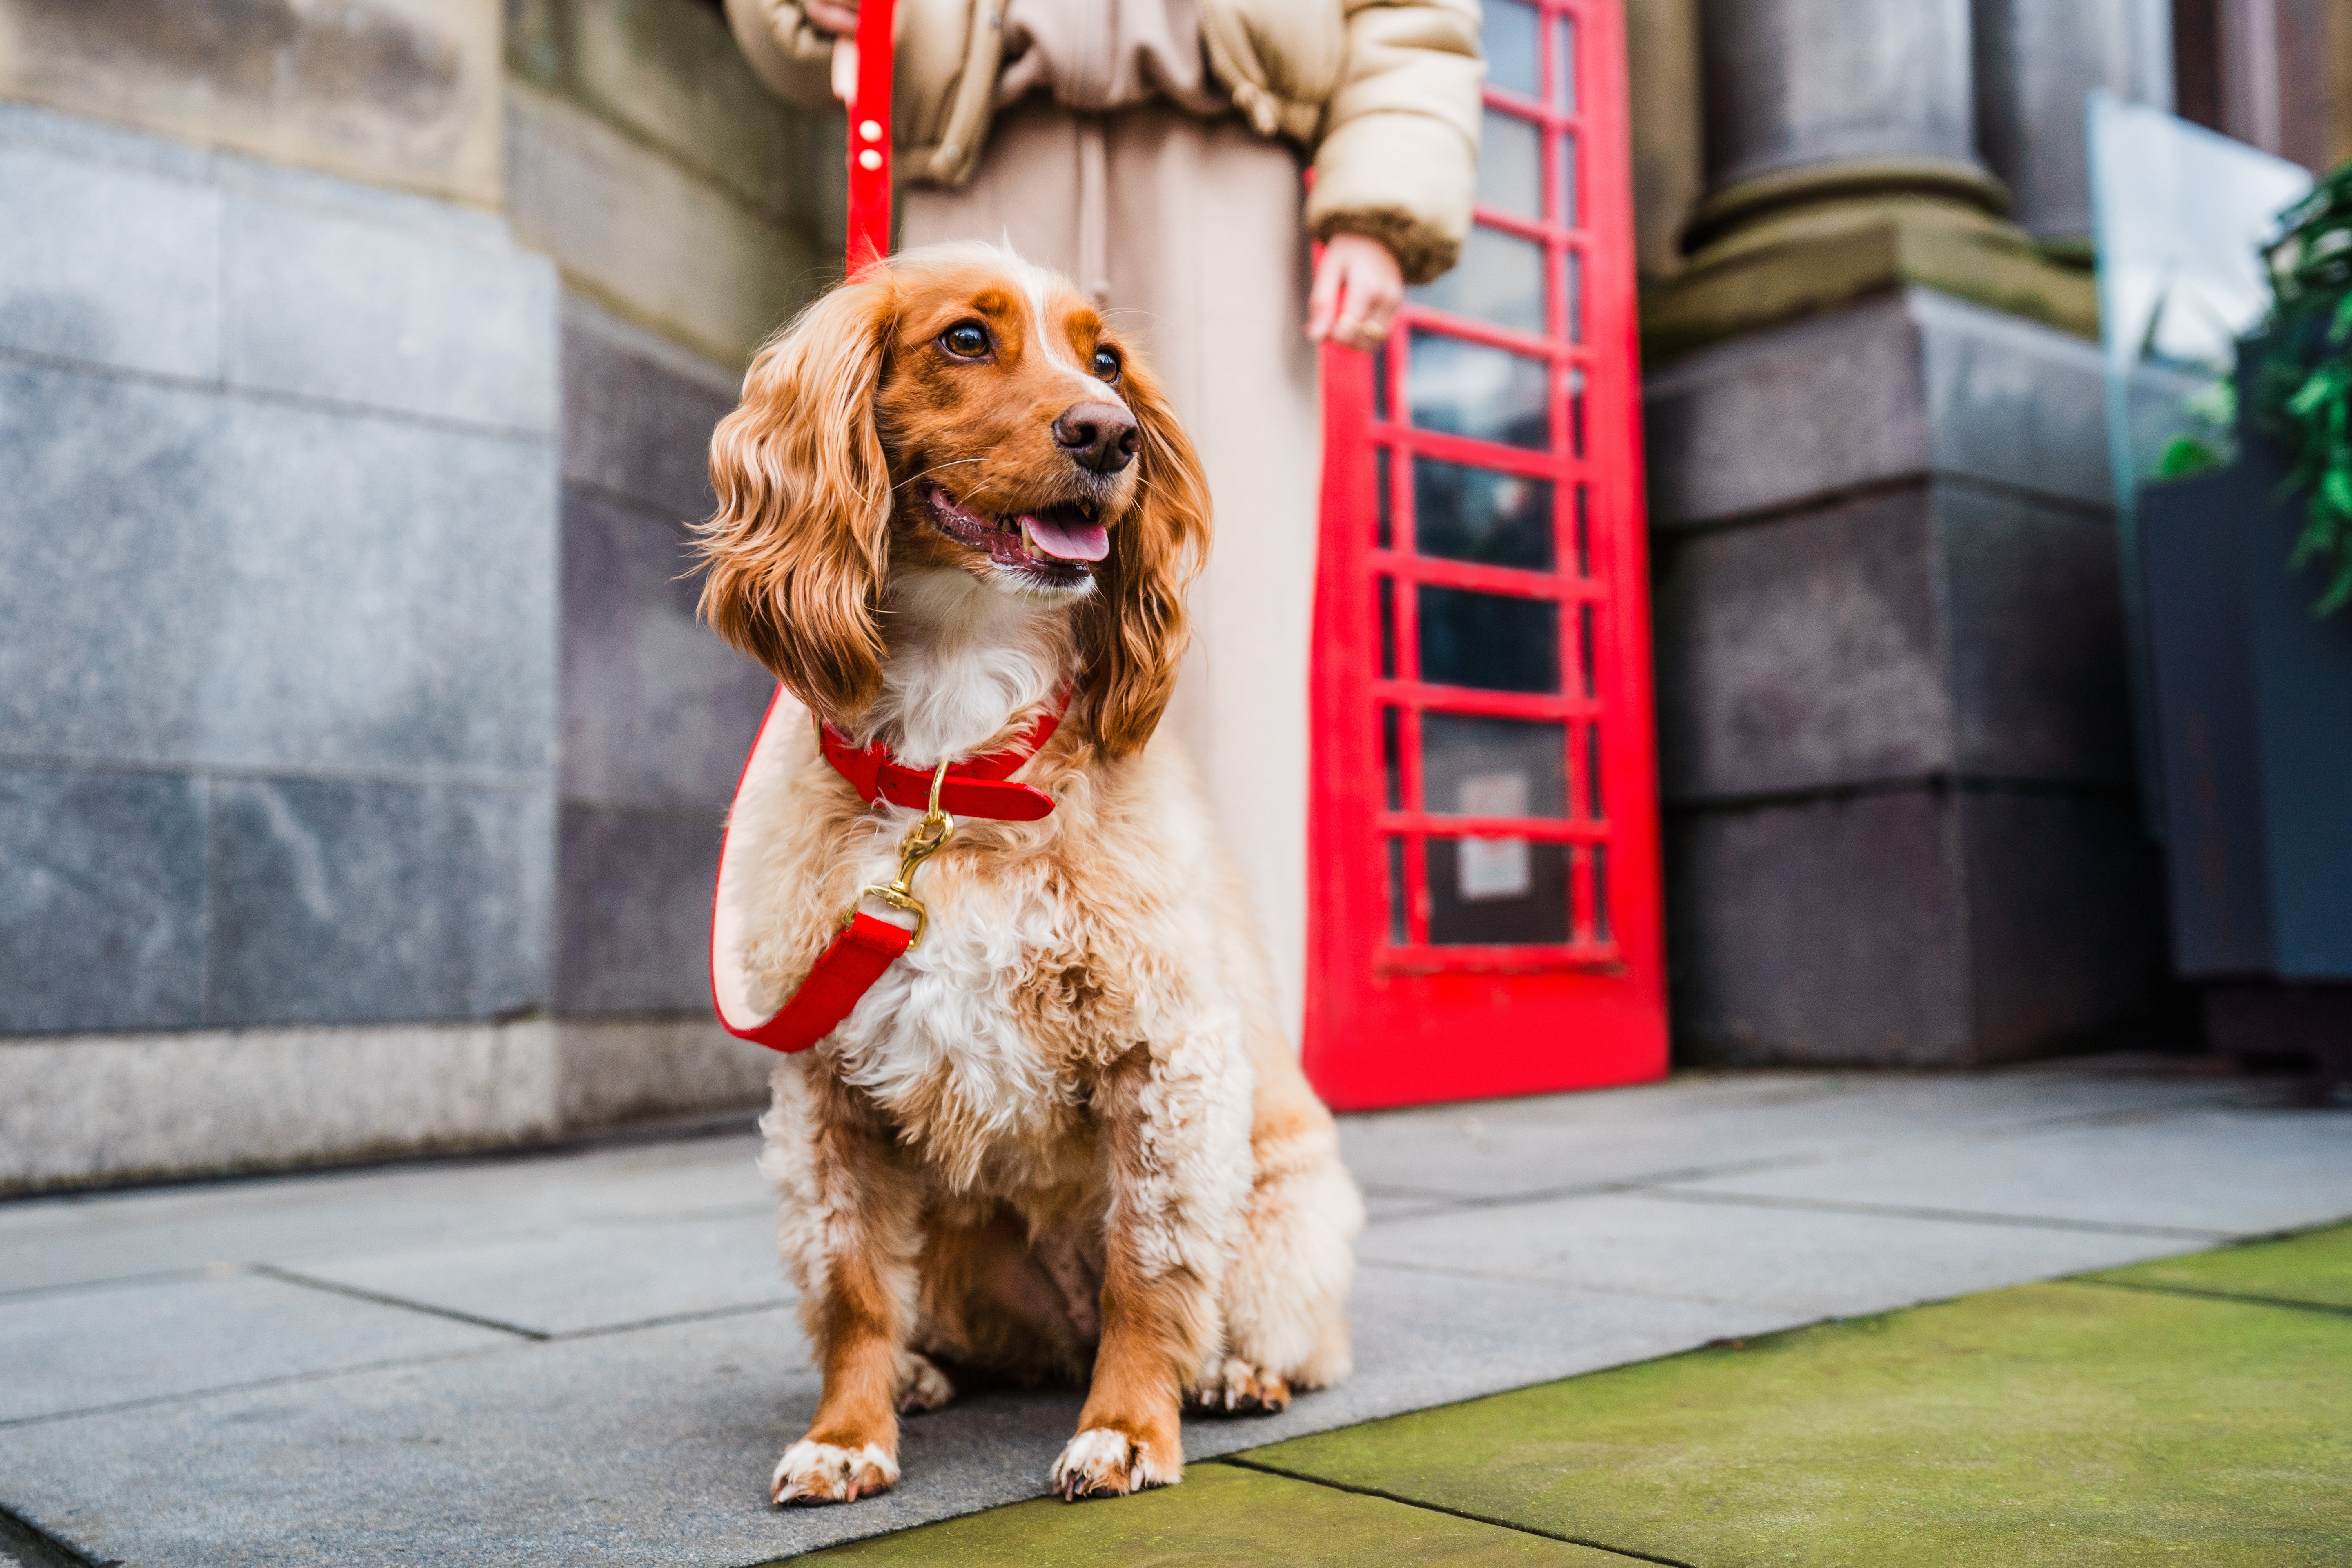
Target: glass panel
[(1474, 766), (1488, 641), (1584, 645), (1510, 165), (1592, 773), (1470, 389), (1398, 928), (1573, 310), (1583, 531), (1393, 757), (1383, 499), (1508, 36), (1500, 278), (1601, 931), (1564, 188), (1496, 892), (1461, 513), (1386, 594), (1576, 412), (1564, 63), (1380, 383)]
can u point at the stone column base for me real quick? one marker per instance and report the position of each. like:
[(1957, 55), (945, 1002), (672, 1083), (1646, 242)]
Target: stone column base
[(83, 1109)]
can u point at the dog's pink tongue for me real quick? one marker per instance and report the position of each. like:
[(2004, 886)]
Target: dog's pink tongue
[(1087, 542)]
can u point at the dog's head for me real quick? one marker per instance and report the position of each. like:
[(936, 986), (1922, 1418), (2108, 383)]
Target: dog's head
[(955, 408)]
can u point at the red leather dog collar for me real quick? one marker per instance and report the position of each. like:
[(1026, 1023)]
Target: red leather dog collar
[(974, 788)]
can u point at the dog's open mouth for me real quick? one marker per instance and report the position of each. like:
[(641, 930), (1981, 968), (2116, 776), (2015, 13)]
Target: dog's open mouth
[(1059, 543)]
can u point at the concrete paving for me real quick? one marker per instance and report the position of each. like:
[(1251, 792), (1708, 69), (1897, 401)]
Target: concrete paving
[(589, 1357)]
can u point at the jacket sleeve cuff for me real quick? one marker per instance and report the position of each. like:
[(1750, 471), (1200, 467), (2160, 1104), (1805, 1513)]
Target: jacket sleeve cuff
[(784, 50), (1405, 179)]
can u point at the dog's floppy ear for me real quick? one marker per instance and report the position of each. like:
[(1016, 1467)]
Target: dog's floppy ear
[(1134, 631), (798, 549)]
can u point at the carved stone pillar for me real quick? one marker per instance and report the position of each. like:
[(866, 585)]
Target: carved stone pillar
[(2037, 61)]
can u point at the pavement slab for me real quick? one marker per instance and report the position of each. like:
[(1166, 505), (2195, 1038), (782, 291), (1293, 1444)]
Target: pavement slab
[(1221, 1515), (130, 1344), (2196, 1168), (2061, 1425)]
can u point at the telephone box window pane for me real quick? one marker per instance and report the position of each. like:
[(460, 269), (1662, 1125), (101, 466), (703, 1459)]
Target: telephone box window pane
[(1381, 503), (1508, 36), (1461, 513), (1393, 758), (1472, 389), (1601, 931), (1510, 165), (1592, 773), (1583, 531), (1500, 278), (1387, 596), (1564, 183), (1563, 64), (1584, 645), (1496, 892), (1489, 641), (1573, 308), (1473, 766), (1381, 384), (1399, 929)]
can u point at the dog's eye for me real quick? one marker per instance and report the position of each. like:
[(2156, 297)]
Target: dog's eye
[(1107, 364), (965, 339)]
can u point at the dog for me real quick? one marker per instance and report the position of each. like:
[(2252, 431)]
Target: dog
[(1063, 1137)]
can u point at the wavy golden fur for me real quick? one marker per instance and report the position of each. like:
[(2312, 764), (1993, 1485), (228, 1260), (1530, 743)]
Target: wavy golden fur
[(1064, 1137)]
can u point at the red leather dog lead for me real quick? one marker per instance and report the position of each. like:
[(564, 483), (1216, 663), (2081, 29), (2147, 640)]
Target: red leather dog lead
[(867, 945)]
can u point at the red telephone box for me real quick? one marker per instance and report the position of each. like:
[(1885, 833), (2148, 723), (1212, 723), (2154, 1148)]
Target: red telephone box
[(1485, 916)]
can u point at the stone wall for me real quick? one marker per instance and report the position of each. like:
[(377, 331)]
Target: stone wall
[(362, 763)]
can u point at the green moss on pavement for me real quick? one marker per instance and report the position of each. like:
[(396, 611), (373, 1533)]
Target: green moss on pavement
[(1220, 1516), (2061, 1425), (2315, 1270)]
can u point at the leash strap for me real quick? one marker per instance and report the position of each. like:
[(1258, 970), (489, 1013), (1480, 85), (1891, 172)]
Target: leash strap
[(851, 965)]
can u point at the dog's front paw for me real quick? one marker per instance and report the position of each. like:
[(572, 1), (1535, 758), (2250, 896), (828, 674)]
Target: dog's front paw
[(812, 1473), (1237, 1388), (1102, 1461)]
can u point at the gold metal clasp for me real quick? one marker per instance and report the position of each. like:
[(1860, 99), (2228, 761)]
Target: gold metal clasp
[(926, 838)]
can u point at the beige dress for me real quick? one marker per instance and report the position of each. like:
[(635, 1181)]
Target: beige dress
[(1117, 160)]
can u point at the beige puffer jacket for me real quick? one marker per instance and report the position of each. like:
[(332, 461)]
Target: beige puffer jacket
[(1384, 92)]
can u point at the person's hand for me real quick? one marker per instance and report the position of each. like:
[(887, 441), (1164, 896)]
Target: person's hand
[(1358, 287), (838, 17)]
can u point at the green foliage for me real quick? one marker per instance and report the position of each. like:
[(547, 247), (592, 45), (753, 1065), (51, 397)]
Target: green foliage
[(2303, 391)]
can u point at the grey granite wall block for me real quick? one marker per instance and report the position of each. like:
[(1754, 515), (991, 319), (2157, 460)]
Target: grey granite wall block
[(1786, 415), (1803, 653), (1827, 932), (114, 265), (2034, 595), (2011, 401), (101, 900), (396, 306), (635, 911), (657, 711), (389, 600), (2066, 917), (337, 901), (637, 414), (110, 562)]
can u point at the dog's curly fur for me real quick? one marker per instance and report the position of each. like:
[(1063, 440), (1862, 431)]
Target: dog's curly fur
[(1064, 1137)]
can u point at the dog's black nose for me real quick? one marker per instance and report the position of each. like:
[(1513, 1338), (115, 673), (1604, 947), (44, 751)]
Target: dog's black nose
[(1097, 435)]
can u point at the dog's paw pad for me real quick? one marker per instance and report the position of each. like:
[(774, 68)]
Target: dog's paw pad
[(1237, 1388), (922, 1385), (1102, 1461), (812, 1473)]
